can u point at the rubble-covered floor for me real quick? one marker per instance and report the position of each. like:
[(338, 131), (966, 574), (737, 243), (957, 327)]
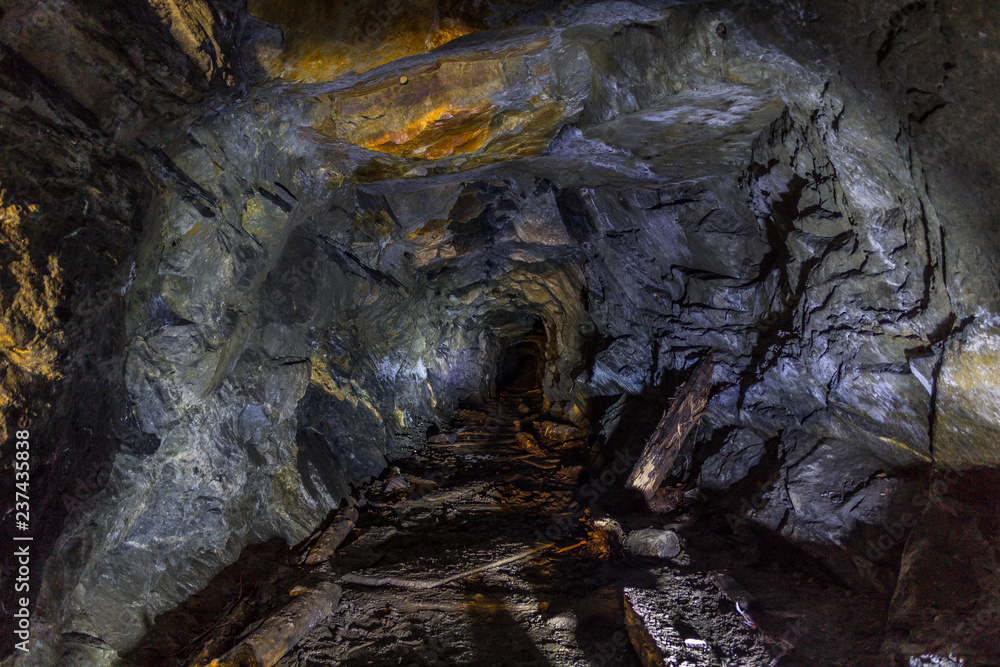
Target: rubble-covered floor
[(474, 495)]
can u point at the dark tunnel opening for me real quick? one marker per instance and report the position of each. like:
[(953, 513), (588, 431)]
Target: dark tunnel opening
[(522, 364)]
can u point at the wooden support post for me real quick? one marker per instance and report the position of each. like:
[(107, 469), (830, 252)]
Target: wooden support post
[(663, 446)]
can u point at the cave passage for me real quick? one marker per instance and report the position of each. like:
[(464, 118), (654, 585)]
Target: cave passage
[(338, 327)]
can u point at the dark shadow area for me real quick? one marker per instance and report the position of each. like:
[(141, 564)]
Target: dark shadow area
[(497, 637), (522, 366), (208, 623)]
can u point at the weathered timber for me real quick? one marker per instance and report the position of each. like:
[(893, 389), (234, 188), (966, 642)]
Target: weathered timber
[(662, 447), (277, 635), (559, 432), (224, 631), (331, 538)]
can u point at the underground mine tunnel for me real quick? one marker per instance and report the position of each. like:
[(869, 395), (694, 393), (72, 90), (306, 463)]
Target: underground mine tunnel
[(500, 333)]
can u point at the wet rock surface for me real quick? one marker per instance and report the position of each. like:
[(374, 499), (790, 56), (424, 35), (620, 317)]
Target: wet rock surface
[(250, 255)]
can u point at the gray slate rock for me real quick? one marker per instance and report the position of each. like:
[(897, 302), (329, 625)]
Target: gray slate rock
[(653, 542)]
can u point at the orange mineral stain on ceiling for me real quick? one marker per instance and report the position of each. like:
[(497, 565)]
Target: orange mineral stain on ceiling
[(461, 111), (323, 40), (439, 133)]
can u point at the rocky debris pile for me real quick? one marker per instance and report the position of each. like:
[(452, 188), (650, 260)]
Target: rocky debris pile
[(685, 621)]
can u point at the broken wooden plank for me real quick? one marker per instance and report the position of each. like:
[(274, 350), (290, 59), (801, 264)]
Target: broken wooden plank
[(529, 444), (663, 446), (226, 630), (277, 635), (331, 538), (559, 432)]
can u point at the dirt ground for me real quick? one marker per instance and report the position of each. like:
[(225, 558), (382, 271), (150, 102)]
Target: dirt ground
[(475, 495)]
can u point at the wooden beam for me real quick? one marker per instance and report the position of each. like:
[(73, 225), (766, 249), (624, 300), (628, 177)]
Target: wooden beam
[(278, 634), (309, 606), (331, 538), (663, 446)]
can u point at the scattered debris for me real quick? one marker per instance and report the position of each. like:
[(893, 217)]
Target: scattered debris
[(559, 432), (666, 500), (656, 641), (426, 584), (612, 528), (396, 482), (930, 660), (676, 622), (412, 600), (529, 444), (747, 620), (732, 589)]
